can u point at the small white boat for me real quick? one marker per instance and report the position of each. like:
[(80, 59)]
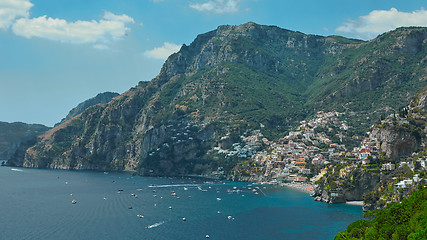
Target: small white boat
[(74, 202)]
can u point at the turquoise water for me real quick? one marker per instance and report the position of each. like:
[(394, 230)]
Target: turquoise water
[(37, 204)]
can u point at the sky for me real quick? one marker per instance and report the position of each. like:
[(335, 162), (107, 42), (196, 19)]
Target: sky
[(55, 54)]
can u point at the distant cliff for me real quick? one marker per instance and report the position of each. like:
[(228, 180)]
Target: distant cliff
[(403, 133), (101, 98), (335, 189), (13, 134), (228, 82)]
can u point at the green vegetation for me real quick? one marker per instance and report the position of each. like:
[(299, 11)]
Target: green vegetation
[(405, 220)]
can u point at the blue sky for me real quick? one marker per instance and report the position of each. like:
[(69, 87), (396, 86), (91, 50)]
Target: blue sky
[(55, 54)]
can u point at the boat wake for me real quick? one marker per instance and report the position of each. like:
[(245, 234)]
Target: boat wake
[(17, 170), (174, 185), (156, 225)]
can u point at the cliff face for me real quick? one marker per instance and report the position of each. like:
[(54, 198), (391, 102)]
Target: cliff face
[(226, 82), (101, 98), (404, 133), (121, 137), (396, 141), (390, 59), (13, 134), (340, 190)]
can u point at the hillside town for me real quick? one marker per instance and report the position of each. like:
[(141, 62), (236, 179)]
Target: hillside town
[(303, 157)]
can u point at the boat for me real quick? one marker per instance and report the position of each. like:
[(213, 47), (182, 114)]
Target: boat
[(74, 202)]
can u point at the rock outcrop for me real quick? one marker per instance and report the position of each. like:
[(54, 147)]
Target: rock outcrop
[(404, 133), (353, 188)]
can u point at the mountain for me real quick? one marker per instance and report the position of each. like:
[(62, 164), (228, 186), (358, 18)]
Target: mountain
[(228, 83), (13, 134), (101, 98)]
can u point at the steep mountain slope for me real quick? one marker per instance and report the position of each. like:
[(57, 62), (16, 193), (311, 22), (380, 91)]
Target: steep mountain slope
[(101, 98), (228, 82), (13, 134)]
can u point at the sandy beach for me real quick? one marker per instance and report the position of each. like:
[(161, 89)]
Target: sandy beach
[(358, 203), (304, 187)]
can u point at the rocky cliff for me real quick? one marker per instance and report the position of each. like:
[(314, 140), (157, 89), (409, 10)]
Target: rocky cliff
[(406, 132), (335, 189), (101, 98), (13, 134), (227, 82)]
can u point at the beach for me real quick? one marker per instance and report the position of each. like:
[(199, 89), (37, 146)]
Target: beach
[(304, 187)]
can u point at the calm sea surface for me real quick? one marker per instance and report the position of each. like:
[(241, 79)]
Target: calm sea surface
[(37, 204)]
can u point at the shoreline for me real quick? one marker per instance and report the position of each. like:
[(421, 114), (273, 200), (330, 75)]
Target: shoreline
[(302, 187), (357, 203)]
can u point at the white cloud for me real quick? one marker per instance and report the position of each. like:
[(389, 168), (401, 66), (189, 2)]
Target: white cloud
[(110, 27), (12, 9), (101, 47), (380, 21), (217, 6), (163, 52)]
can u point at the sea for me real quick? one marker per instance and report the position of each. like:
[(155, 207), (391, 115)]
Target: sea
[(63, 204)]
